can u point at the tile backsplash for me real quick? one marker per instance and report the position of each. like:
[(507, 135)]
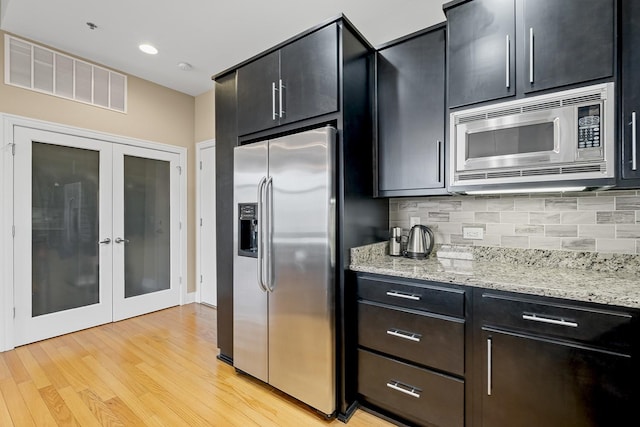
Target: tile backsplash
[(607, 221)]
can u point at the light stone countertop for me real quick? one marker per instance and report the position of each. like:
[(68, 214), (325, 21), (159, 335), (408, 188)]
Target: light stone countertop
[(602, 278)]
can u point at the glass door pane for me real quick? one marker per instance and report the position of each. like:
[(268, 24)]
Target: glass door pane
[(147, 217), (65, 220), (146, 250), (62, 211)]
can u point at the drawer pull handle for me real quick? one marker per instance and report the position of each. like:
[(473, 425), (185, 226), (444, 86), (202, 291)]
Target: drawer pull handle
[(403, 388), (404, 295), (561, 322), (405, 335)]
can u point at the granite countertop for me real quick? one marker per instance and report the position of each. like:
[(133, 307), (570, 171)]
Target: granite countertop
[(594, 277)]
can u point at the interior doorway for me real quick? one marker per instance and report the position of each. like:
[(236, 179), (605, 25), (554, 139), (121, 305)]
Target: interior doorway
[(97, 232)]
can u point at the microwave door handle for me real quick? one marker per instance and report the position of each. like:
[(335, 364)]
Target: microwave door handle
[(634, 142), (507, 61)]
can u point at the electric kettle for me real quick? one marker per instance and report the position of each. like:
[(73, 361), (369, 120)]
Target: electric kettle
[(420, 242)]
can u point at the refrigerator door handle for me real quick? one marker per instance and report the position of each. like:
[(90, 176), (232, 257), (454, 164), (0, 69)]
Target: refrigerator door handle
[(269, 283), (260, 269)]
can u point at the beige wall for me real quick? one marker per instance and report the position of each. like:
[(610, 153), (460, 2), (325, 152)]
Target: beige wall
[(155, 113), (205, 122)]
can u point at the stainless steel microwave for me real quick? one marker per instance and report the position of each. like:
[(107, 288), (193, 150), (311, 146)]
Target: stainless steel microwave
[(555, 140)]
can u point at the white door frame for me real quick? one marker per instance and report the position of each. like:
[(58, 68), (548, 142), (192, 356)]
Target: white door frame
[(200, 146), (7, 123)]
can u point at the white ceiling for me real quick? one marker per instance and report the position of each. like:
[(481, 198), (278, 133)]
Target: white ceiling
[(211, 35)]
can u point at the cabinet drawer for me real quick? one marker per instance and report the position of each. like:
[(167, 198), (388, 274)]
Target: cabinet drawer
[(413, 393), (609, 328), (419, 337), (413, 295)]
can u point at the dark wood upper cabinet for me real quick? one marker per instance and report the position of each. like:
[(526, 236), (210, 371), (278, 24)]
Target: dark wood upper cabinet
[(568, 42), (481, 51), (296, 82), (411, 115), (630, 90), (502, 48)]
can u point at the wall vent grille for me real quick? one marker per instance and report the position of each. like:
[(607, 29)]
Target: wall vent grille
[(37, 68)]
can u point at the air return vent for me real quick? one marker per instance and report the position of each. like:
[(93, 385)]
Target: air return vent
[(30, 66)]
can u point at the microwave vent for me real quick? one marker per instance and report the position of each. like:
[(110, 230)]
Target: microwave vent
[(472, 118), (471, 176), (541, 171), (503, 174), (581, 99), (500, 113), (541, 106), (583, 169)]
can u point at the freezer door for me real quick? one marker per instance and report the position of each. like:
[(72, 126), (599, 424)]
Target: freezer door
[(301, 305), (250, 333)]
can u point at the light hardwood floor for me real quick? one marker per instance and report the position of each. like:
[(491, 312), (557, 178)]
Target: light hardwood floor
[(159, 369)]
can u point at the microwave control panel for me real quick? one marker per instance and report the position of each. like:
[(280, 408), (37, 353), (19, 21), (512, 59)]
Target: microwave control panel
[(589, 126)]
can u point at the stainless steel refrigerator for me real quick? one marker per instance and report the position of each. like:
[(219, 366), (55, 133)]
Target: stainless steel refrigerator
[(284, 237)]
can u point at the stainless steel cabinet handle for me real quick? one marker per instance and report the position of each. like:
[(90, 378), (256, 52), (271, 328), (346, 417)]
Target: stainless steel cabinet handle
[(280, 95), (273, 101), (404, 295), (489, 366), (634, 145), (403, 388), (121, 240), (531, 55), (439, 159), (542, 319), (260, 235), (269, 283), (404, 335), (105, 241), (508, 60)]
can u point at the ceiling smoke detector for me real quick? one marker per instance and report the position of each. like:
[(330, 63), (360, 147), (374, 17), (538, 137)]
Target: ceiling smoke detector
[(185, 66)]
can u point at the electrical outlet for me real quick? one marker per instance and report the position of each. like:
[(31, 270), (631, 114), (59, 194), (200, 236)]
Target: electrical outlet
[(474, 233), (414, 220)]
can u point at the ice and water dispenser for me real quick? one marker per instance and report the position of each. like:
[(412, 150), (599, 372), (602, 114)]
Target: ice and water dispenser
[(248, 229)]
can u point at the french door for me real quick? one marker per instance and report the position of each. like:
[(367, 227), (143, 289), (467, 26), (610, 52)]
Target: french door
[(96, 232)]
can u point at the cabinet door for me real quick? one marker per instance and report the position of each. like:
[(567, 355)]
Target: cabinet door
[(257, 95), (309, 73), (533, 382), (573, 42), (630, 89), (481, 51), (411, 117)]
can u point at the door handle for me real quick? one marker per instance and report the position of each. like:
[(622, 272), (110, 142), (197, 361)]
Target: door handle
[(269, 240), (537, 318), (634, 130), (489, 363), (411, 336), (404, 295), (531, 55), (105, 241), (261, 234), (404, 388), (508, 61), (121, 240), (273, 101), (280, 96)]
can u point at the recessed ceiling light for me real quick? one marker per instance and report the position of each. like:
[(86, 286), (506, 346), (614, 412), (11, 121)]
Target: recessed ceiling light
[(147, 48)]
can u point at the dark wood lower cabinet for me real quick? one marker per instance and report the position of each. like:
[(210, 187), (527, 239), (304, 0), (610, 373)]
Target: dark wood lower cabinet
[(532, 381), (418, 395), (496, 359)]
